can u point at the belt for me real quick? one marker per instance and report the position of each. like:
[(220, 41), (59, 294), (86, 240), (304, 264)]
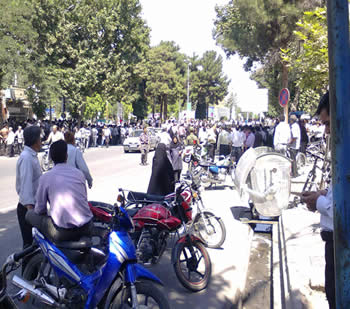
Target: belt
[(327, 235)]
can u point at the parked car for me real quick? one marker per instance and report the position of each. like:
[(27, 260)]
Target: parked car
[(132, 142)]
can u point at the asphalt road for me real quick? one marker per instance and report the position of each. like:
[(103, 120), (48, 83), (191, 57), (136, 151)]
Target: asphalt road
[(112, 169)]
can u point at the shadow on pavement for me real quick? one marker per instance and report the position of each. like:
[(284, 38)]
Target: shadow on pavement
[(10, 235), (180, 297)]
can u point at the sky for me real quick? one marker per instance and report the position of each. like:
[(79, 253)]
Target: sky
[(189, 23)]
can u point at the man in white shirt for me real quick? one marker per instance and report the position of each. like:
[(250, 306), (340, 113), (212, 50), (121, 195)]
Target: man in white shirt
[(322, 201), (237, 143), (165, 136), (282, 136), (55, 135), (294, 142), (10, 142), (106, 136), (20, 140)]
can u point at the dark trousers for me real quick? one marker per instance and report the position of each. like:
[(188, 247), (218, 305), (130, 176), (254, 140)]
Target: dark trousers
[(236, 153), (26, 228), (293, 154), (211, 151), (224, 150), (53, 232), (327, 237), (177, 174)]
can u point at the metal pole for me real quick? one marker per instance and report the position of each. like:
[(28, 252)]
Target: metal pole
[(188, 83), (339, 90)]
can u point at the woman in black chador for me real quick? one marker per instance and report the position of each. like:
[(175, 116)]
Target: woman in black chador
[(162, 178)]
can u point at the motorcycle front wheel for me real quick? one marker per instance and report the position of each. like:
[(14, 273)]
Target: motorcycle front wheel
[(210, 229), (192, 269), (148, 296)]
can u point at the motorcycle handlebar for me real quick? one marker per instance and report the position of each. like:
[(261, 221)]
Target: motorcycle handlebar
[(22, 254)]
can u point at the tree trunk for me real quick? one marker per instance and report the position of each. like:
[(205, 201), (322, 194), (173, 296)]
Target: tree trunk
[(161, 110), (285, 85), (165, 107)]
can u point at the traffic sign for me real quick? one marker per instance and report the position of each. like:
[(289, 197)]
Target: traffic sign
[(284, 97)]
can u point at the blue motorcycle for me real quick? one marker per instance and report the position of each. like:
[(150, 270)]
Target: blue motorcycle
[(76, 274)]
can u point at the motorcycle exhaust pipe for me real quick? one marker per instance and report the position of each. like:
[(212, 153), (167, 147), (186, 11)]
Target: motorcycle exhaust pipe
[(24, 284)]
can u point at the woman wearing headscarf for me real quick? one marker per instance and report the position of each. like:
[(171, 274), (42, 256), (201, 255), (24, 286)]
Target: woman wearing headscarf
[(162, 178), (176, 148)]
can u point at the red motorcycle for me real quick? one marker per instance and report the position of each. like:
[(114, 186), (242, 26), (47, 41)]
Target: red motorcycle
[(154, 226)]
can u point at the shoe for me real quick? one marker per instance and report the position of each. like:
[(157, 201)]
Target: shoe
[(141, 163)]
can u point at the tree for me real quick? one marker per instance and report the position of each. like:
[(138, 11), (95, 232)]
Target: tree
[(91, 47), (307, 58), (208, 83), (232, 103), (165, 85), (256, 31)]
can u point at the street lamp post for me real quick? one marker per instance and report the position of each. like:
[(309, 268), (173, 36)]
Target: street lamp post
[(188, 83)]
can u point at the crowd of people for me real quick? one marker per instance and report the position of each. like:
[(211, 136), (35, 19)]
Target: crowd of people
[(68, 221)]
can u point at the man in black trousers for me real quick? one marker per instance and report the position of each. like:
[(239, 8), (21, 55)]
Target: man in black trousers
[(28, 172)]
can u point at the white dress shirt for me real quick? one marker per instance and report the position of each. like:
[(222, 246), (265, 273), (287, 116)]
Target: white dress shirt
[(295, 130), (324, 205), (237, 138), (282, 134), (28, 172)]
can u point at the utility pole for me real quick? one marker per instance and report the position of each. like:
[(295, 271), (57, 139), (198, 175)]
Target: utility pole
[(339, 91)]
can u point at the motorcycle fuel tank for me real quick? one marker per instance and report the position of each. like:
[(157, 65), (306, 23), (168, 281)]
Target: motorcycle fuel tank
[(156, 214)]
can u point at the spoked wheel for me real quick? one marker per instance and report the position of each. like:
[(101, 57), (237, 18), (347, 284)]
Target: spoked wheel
[(148, 296), (211, 229), (192, 269)]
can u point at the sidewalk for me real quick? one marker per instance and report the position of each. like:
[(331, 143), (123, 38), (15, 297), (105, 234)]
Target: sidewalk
[(298, 263), (303, 259)]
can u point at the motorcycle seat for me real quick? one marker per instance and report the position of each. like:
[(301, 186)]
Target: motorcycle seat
[(82, 243), (144, 197)]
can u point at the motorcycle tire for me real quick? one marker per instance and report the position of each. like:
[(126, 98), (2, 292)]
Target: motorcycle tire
[(215, 226), (144, 288), (30, 273), (182, 251)]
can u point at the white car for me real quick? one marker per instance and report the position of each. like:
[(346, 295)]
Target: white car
[(132, 142)]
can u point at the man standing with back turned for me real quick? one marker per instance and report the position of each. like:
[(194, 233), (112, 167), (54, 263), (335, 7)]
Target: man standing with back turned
[(323, 202), (28, 172)]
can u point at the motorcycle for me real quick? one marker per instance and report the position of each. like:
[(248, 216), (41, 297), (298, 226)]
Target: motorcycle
[(46, 162), (75, 274), (154, 225), (205, 224), (217, 173)]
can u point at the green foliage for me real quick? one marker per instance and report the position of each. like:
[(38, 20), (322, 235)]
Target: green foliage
[(165, 85), (307, 57), (257, 31), (208, 83), (95, 106), (91, 47)]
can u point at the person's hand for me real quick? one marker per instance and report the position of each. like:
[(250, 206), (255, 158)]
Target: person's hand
[(310, 199), (90, 185), (29, 207)]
